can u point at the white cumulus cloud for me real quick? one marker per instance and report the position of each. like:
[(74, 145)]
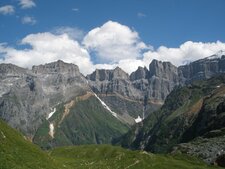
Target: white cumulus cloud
[(73, 32), (26, 4), (186, 52), (45, 48), (28, 20), (112, 42), (114, 45), (7, 10)]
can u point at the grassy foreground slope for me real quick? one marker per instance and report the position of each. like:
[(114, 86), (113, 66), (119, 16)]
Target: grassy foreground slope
[(111, 157), (86, 122), (18, 153)]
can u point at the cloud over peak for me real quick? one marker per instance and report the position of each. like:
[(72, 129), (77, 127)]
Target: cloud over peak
[(7, 10), (112, 42), (47, 47), (185, 53), (113, 45)]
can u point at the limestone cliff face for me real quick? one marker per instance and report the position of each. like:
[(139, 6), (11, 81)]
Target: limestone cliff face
[(112, 81), (139, 79), (158, 81), (27, 96), (117, 91), (163, 77), (60, 81), (140, 73)]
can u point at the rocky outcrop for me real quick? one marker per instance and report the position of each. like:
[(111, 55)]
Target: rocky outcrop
[(220, 161), (210, 149)]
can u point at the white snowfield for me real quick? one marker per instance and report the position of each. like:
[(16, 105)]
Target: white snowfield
[(50, 114), (105, 106), (51, 130), (138, 119)]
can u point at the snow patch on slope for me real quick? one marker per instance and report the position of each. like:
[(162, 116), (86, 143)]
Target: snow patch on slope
[(3, 135), (50, 114), (138, 119), (105, 106), (51, 130)]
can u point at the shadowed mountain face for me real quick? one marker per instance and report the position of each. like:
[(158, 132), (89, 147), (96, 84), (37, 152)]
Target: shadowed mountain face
[(193, 114)]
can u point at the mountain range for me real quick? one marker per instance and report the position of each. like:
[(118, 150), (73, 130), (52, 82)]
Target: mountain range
[(156, 108)]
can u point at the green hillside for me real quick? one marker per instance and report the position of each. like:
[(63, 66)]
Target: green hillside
[(87, 122), (192, 111), (18, 153)]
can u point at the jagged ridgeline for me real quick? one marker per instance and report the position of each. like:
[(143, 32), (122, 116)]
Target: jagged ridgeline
[(54, 104)]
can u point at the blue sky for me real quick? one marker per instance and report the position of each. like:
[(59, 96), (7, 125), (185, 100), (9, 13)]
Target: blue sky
[(197, 24)]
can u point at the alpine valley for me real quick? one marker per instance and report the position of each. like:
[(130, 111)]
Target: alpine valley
[(177, 111)]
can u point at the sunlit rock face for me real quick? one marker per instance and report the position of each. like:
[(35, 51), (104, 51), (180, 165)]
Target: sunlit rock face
[(28, 96)]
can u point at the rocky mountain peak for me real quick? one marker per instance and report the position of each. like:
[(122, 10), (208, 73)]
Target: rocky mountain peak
[(107, 75), (56, 67), (119, 73), (140, 73), (162, 69), (204, 68), (99, 75), (11, 70)]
